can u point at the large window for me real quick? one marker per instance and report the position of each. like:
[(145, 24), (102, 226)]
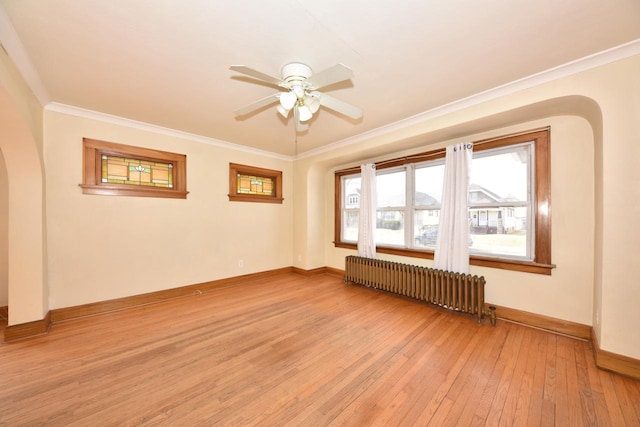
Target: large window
[(508, 203)]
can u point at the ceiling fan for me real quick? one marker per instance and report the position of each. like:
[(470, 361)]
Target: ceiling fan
[(301, 92)]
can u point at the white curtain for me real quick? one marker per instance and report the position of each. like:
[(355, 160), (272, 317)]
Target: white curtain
[(452, 244), (367, 220)]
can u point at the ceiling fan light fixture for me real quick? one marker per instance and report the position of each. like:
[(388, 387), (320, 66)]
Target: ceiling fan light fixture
[(313, 103), (283, 111), (304, 113), (288, 100)]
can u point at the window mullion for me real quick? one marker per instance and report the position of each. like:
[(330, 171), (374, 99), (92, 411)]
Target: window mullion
[(409, 208)]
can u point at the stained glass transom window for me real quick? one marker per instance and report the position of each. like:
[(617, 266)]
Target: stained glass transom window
[(253, 184), (121, 170), (260, 185)]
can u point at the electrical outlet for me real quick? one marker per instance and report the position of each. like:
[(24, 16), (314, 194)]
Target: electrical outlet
[(241, 263)]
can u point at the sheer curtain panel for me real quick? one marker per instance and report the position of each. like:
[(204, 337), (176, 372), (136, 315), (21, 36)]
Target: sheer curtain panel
[(367, 220), (452, 244)]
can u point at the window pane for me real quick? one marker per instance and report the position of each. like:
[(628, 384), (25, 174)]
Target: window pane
[(428, 185), (390, 227), (391, 189), (506, 243), (498, 202), (500, 177), (351, 191), (425, 228), (350, 226), (350, 207)]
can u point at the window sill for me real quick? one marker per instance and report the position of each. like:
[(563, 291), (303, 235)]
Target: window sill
[(130, 190), (503, 264), (255, 198)]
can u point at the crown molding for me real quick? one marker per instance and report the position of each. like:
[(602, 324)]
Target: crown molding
[(604, 57), (134, 124)]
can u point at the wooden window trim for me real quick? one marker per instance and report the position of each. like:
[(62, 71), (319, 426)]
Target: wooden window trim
[(541, 212), (234, 196), (92, 170)]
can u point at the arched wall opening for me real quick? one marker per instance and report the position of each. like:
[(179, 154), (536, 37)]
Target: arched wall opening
[(24, 220)]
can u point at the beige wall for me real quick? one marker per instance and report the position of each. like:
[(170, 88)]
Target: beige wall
[(4, 234), (105, 247), (595, 147)]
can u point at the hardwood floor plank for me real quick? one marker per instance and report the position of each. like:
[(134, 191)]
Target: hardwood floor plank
[(575, 409), (526, 392), (562, 402), (304, 350), (595, 388), (589, 396), (551, 374), (536, 404), (484, 360), (633, 391), (613, 404), (513, 407), (505, 367), (628, 403), (493, 374)]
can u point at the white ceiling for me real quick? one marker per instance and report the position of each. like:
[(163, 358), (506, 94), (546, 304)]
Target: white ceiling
[(166, 62)]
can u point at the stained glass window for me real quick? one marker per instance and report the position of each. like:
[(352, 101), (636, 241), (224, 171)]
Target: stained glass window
[(261, 185), (252, 184), (112, 169), (121, 170)]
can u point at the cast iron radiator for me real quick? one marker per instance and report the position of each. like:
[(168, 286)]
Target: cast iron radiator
[(455, 291)]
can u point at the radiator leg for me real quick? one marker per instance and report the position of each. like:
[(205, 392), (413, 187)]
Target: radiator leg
[(492, 315)]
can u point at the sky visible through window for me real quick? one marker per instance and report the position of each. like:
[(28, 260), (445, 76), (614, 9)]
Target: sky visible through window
[(504, 174), (488, 172)]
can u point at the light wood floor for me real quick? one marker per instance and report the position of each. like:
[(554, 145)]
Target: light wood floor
[(303, 351)]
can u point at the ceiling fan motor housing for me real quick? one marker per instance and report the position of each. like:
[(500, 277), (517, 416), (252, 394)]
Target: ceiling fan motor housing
[(296, 71)]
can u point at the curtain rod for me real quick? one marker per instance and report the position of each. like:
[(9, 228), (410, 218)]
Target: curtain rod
[(441, 151)]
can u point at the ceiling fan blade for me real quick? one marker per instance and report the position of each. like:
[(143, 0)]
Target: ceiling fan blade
[(339, 106), (332, 75), (256, 74), (271, 99)]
